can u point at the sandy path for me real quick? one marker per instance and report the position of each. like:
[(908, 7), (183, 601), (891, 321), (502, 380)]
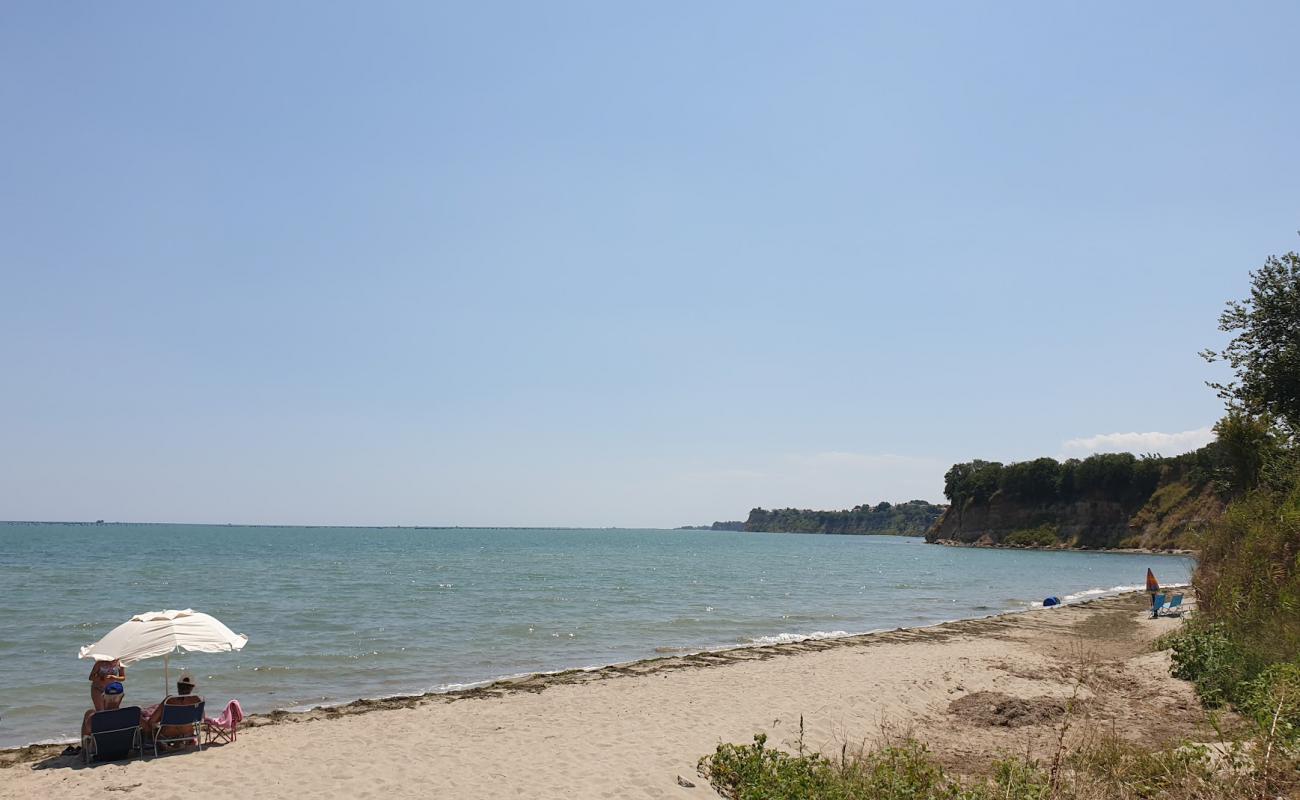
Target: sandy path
[(630, 732)]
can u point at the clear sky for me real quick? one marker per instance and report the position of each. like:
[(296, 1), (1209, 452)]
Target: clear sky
[(612, 263)]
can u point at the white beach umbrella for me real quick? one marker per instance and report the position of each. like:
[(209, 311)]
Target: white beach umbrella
[(161, 633)]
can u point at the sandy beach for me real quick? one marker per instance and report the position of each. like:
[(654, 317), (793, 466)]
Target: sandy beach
[(969, 689)]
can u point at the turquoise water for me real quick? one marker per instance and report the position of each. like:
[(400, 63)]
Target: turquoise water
[(334, 614)]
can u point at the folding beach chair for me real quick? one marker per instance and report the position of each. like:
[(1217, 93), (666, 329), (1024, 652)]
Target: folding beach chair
[(1174, 606), (225, 727), (177, 715), (1157, 603), (113, 735)]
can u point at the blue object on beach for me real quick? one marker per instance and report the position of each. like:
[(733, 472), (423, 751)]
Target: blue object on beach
[(1048, 602), (113, 735), (1174, 606), (189, 718), (114, 688)]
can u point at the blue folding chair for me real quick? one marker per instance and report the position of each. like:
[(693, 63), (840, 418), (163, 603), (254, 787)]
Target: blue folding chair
[(113, 735), (1157, 603), (1174, 606), (174, 715)]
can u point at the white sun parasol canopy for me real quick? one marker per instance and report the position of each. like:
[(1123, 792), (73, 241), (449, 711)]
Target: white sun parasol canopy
[(161, 633)]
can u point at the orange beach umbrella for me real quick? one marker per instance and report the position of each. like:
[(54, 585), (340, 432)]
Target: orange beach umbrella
[(1153, 585)]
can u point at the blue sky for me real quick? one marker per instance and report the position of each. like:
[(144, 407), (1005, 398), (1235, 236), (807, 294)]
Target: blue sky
[(614, 264)]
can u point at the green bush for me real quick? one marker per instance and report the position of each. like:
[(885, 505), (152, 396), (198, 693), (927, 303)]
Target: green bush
[(1272, 700), (1113, 767), (1248, 579), (904, 771), (1215, 663), (1042, 536), (1014, 778), (757, 772), (1105, 767)]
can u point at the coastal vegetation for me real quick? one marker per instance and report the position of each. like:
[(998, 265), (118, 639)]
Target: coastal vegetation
[(1042, 536), (728, 525), (1241, 649), (912, 518), (1106, 500), (1109, 768)]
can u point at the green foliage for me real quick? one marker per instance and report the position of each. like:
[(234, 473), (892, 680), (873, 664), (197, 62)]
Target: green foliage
[(1031, 480), (1265, 352), (903, 771), (1114, 767), (1243, 646), (1065, 480), (751, 772), (1167, 497), (1105, 474), (729, 525), (1120, 477), (1208, 657), (1016, 778), (1254, 452), (1248, 579), (974, 481), (1272, 700), (1105, 767), (1042, 536), (913, 518)]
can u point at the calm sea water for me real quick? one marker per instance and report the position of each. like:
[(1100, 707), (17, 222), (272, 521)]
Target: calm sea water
[(334, 614)]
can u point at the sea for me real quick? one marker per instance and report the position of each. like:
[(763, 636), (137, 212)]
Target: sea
[(337, 614)]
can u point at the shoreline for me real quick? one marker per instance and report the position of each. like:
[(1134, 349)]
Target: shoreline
[(541, 680), (1143, 551), (972, 691)]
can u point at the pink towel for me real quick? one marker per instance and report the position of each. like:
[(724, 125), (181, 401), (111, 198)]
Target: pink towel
[(232, 716)]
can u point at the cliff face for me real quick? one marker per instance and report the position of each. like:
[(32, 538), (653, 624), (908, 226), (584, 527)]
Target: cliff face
[(1167, 519), (1105, 500), (1087, 523)]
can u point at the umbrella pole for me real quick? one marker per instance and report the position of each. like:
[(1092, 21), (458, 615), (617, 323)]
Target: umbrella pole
[(167, 681)]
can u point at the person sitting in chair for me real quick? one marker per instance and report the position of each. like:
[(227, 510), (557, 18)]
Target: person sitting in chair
[(110, 698), (184, 697)]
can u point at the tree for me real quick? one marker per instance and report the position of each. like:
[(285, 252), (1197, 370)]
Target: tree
[(1035, 481), (1251, 450), (975, 480), (1265, 352)]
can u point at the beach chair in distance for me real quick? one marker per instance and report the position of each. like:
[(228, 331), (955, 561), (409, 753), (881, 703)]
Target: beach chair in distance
[(113, 735), (1174, 608), (224, 728), (175, 715), (1157, 603)]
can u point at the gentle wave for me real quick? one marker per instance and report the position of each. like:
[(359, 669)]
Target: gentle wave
[(1070, 598), (791, 638), (1087, 594)]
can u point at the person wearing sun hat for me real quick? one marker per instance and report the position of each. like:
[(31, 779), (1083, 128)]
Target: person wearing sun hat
[(184, 696)]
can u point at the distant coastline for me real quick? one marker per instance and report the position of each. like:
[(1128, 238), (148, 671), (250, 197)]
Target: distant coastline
[(912, 518)]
